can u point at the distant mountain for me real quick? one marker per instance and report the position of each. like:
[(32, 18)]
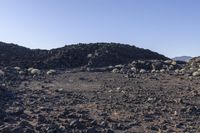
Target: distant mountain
[(183, 58), (77, 55)]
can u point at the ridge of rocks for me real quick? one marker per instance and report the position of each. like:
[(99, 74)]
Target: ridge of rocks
[(72, 56)]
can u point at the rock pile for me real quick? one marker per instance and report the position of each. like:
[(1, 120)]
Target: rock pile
[(10, 76), (193, 67), (150, 66)]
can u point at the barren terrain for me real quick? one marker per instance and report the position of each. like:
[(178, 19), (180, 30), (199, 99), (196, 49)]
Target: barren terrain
[(97, 88), (74, 101)]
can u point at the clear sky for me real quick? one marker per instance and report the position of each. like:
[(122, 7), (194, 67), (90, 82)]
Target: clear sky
[(170, 27)]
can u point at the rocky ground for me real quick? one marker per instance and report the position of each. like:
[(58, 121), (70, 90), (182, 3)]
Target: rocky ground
[(121, 99)]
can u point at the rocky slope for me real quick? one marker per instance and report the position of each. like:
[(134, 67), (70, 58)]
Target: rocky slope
[(15, 55), (193, 67), (71, 56)]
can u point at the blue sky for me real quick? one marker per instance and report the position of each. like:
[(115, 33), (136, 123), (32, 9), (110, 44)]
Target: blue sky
[(170, 27)]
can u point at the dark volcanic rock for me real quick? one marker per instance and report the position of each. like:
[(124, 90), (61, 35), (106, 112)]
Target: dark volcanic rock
[(71, 56), (151, 102), (2, 114), (14, 55)]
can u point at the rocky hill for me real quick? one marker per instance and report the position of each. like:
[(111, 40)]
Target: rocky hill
[(15, 55), (71, 56), (141, 92)]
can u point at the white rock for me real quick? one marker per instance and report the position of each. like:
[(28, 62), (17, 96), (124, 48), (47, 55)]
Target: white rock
[(123, 92), (3, 84), (191, 68), (177, 71), (115, 70), (133, 69), (2, 73), (153, 71), (60, 89), (110, 67), (133, 62), (150, 99), (143, 71), (196, 73), (110, 91), (162, 70), (30, 69), (35, 71), (168, 61), (21, 72), (119, 66), (89, 55), (118, 88), (51, 72), (175, 113), (174, 63), (141, 61), (182, 70), (17, 68)]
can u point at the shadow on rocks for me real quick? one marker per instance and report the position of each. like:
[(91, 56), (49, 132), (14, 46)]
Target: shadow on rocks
[(6, 98)]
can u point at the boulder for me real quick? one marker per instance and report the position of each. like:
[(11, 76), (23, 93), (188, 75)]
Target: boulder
[(89, 56), (21, 72), (51, 72), (168, 61), (119, 66), (30, 69), (197, 73), (115, 70), (17, 68), (182, 70), (35, 72), (174, 63), (177, 71), (162, 70), (143, 71), (133, 69)]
